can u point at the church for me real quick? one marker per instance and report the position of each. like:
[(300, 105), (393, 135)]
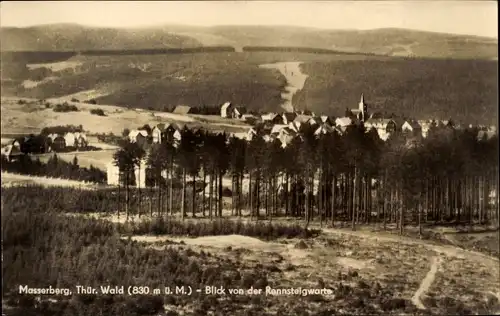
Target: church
[(361, 113)]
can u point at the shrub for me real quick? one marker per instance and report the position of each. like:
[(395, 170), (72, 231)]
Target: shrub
[(160, 226), (61, 129), (75, 100), (98, 112), (65, 107)]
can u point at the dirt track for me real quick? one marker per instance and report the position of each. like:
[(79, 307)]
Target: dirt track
[(294, 77)]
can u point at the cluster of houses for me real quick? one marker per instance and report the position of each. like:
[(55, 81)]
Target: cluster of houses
[(39, 144), (286, 126)]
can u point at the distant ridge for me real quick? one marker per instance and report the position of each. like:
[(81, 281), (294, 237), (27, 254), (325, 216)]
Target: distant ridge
[(383, 41)]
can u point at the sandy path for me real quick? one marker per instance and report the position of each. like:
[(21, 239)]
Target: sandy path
[(426, 283), (295, 78)]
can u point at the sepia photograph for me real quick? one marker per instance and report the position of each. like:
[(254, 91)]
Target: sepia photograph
[(251, 158)]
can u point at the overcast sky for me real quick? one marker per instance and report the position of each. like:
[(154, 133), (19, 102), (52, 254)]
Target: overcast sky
[(461, 17)]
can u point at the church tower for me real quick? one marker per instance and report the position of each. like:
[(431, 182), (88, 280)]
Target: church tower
[(363, 108)]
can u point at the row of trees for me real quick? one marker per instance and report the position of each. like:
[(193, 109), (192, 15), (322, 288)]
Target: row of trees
[(54, 168), (356, 177)]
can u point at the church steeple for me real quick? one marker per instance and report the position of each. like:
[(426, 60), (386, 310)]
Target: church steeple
[(361, 105), (363, 108)]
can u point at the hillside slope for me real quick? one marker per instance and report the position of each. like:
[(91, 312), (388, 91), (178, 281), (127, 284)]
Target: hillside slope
[(73, 37), (464, 90), (389, 41)]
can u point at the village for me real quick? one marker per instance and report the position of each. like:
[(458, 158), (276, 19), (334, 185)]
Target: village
[(281, 127)]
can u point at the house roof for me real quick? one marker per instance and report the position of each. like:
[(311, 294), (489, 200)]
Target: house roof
[(182, 109), (343, 121), (301, 118), (268, 116), (413, 123), (323, 129), (289, 116), (134, 133), (277, 128), (315, 120), (326, 118)]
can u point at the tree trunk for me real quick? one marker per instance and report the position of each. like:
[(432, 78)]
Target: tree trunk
[(332, 205), (193, 197), (250, 194), (171, 190), (160, 195), (220, 194), (183, 198), (127, 195), (210, 195), (354, 196), (287, 202), (203, 198)]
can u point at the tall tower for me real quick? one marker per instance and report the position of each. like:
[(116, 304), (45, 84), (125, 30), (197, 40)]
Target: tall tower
[(363, 108)]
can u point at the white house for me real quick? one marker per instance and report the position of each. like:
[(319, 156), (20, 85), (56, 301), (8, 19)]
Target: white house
[(412, 127), (343, 122), (70, 139), (426, 125), (135, 134), (384, 127)]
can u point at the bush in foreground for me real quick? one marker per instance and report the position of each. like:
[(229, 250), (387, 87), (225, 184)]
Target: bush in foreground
[(71, 250)]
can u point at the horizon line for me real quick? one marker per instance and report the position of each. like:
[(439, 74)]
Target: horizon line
[(166, 25)]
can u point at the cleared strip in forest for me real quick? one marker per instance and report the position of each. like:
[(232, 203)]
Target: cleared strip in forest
[(426, 283)]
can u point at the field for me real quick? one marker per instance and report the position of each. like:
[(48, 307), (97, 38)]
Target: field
[(34, 115), (363, 272)]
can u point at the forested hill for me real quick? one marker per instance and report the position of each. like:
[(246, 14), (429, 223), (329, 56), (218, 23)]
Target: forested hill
[(388, 41)]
